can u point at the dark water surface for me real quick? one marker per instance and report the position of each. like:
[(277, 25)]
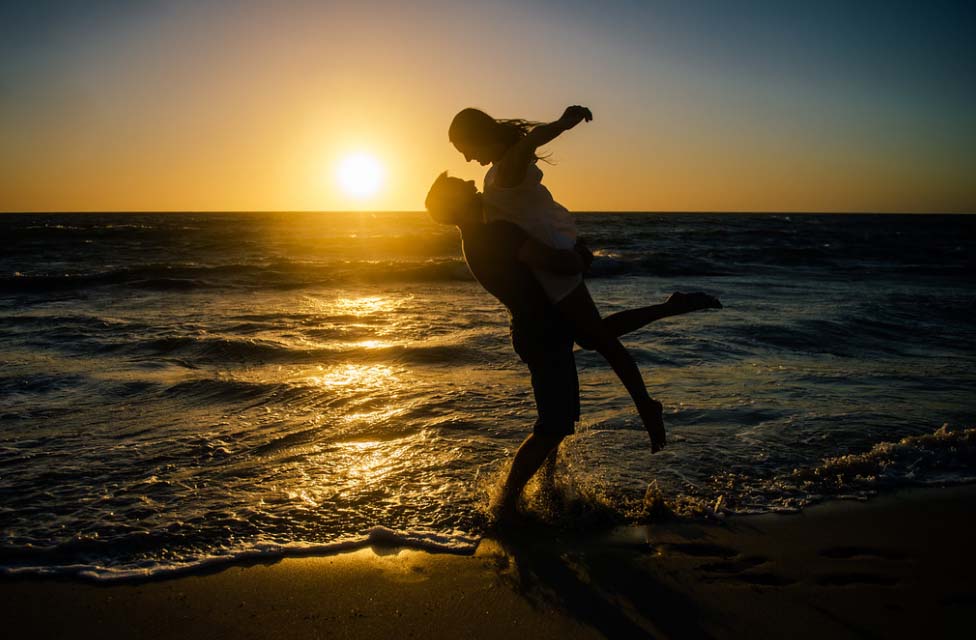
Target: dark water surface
[(177, 389)]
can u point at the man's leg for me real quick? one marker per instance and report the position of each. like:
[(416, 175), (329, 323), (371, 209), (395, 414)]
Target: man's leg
[(529, 457), (549, 470), (555, 387)]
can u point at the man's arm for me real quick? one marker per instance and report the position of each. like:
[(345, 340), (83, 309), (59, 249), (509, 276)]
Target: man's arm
[(538, 255), (585, 254)]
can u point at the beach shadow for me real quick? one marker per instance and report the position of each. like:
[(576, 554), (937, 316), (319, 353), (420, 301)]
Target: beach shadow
[(601, 586)]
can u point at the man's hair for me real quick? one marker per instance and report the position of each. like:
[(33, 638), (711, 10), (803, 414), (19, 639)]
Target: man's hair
[(440, 205), (435, 196)]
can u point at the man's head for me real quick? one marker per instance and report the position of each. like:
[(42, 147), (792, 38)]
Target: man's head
[(453, 201)]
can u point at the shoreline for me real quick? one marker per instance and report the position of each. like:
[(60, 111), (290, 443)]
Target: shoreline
[(898, 565)]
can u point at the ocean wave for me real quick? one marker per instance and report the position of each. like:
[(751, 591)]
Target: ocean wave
[(586, 502), (45, 561), (256, 351), (223, 390), (655, 264), (81, 320), (947, 456), (278, 275), (848, 336), (287, 275), (296, 275), (38, 383)]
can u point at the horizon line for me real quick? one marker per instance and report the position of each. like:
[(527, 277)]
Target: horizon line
[(421, 211)]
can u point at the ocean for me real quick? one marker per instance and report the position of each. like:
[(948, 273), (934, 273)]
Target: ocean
[(179, 390)]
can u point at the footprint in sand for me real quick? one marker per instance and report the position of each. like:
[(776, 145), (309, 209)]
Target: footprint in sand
[(731, 566), (737, 565), (847, 553), (958, 599), (761, 579), (700, 550), (860, 555), (848, 579)]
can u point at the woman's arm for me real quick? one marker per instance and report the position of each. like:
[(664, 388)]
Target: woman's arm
[(546, 133), (511, 169)]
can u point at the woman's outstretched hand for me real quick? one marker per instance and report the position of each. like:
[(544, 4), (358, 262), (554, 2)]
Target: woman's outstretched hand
[(575, 114)]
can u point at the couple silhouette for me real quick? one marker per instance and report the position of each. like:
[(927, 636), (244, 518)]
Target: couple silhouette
[(522, 247)]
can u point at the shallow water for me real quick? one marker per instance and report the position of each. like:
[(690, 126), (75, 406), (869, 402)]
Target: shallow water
[(180, 388)]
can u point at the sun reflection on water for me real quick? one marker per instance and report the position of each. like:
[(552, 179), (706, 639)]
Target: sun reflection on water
[(358, 306), (372, 417), (363, 305), (368, 460), (359, 376), (356, 398), (372, 344)]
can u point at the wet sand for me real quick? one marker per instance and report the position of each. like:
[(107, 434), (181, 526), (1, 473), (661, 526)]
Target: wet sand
[(899, 566)]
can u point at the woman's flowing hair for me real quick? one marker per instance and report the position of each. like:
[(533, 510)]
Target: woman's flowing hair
[(474, 126)]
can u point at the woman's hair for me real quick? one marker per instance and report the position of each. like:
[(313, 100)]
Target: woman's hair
[(477, 127)]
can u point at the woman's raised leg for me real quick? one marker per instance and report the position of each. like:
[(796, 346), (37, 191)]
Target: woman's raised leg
[(579, 308)]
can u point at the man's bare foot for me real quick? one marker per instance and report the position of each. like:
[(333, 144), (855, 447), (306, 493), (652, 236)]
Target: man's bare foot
[(654, 423), (504, 514), (688, 302)]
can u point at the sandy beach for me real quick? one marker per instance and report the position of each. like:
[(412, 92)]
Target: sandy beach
[(897, 566)]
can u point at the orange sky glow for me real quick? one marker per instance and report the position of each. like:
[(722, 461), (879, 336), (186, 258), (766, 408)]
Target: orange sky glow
[(252, 108)]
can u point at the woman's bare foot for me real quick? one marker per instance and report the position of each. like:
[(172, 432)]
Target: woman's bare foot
[(653, 418), (688, 302)]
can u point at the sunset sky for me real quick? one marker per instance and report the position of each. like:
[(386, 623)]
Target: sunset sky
[(699, 106)]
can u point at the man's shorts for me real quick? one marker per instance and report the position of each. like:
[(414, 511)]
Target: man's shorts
[(556, 389)]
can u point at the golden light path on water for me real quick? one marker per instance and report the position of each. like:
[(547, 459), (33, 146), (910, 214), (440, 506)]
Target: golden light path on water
[(362, 306), (371, 395), (357, 376), (357, 418), (368, 425)]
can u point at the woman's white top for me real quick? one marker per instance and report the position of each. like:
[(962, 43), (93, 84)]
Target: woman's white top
[(530, 206)]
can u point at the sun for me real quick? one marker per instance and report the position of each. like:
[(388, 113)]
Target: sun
[(360, 175)]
